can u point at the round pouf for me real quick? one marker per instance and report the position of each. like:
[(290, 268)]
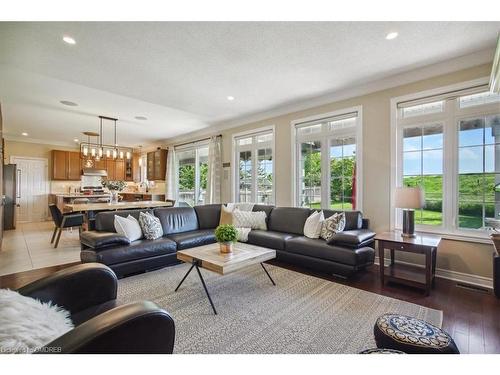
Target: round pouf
[(412, 335), (381, 351)]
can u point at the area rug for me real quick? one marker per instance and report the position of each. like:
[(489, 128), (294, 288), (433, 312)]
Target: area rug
[(301, 314)]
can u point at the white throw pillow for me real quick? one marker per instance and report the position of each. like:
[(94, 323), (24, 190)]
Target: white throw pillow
[(26, 324), (129, 227), (313, 225), (242, 206), (248, 219)]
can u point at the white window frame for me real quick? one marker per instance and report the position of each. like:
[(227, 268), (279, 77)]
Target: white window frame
[(325, 136), (196, 146), (450, 118), (235, 149)]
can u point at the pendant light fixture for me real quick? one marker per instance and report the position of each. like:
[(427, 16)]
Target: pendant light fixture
[(98, 150)]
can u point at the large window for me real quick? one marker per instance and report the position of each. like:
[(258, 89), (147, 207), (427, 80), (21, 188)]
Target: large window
[(478, 170), (450, 146), (254, 167), (326, 161), (423, 166), (192, 167)]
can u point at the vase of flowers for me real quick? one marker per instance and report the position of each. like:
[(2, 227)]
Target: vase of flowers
[(226, 235), (114, 187)]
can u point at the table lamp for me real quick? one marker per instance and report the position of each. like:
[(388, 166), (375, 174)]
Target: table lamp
[(409, 199)]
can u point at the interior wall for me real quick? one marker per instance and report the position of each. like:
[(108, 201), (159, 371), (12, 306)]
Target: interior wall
[(33, 150), (38, 150), (463, 257)]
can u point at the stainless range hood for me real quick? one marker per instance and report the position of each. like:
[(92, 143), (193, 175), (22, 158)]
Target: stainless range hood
[(94, 172)]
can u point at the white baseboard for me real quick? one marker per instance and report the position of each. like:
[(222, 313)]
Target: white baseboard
[(465, 278)]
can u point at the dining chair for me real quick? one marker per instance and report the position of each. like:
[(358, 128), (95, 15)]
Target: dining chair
[(62, 221)]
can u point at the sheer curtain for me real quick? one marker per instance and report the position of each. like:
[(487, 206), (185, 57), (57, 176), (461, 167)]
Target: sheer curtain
[(214, 170), (170, 183)]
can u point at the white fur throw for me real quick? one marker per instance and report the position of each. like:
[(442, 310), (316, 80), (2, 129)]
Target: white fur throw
[(26, 324)]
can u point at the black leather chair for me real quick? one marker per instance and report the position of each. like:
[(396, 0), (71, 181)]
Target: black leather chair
[(88, 292), (63, 221)]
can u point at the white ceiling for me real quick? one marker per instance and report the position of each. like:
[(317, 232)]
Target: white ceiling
[(178, 74)]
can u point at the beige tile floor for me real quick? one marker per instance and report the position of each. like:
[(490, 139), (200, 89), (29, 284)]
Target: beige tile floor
[(28, 247)]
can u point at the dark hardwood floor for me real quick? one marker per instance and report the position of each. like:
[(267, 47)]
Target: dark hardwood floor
[(471, 317)]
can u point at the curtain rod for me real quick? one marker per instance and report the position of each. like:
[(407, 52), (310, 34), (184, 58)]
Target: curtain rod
[(335, 117), (445, 94), (198, 140)]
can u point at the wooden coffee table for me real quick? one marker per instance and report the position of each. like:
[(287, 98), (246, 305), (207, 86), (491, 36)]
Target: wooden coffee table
[(210, 258)]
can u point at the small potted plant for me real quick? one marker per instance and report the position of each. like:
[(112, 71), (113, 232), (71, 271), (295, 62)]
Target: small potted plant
[(226, 235), (114, 187)]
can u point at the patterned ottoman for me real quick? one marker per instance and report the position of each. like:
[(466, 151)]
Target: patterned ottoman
[(381, 351), (412, 335)]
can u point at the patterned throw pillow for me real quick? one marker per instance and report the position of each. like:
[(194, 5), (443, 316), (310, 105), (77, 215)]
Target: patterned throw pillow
[(150, 225), (332, 225), (248, 219)]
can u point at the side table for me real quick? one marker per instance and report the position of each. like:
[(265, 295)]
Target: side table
[(408, 274)]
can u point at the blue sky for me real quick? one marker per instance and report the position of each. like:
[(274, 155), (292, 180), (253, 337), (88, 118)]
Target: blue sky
[(431, 161)]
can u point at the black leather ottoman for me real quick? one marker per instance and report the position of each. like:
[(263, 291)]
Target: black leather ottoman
[(412, 335), (381, 351)]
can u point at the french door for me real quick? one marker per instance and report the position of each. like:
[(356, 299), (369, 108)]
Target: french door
[(254, 168)]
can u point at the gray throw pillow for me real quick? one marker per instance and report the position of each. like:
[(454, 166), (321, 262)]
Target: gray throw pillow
[(332, 225), (150, 225)]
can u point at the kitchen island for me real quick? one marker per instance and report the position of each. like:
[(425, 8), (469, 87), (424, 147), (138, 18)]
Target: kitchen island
[(133, 196), (89, 209), (86, 207), (61, 200)]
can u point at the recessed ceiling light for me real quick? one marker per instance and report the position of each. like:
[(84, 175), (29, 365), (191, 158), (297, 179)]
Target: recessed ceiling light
[(69, 39), (391, 36), (67, 102), (25, 134), (230, 98), (76, 139), (141, 118)]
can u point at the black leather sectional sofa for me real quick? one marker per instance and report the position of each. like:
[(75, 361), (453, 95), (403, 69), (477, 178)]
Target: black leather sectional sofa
[(186, 227)]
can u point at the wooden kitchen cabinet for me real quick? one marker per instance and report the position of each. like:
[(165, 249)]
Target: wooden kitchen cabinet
[(115, 169), (100, 164), (156, 164), (66, 165), (110, 169), (136, 168), (150, 163), (59, 171), (120, 170), (132, 168), (74, 166)]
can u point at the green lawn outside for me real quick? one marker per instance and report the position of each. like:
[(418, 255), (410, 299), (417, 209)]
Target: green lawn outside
[(333, 206), (435, 218), (428, 217)]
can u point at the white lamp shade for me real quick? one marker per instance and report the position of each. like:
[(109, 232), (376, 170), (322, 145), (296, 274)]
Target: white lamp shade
[(409, 197)]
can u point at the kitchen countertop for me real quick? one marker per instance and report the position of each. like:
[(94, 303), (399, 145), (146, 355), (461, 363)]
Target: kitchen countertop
[(81, 195), (116, 206), (142, 192)]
